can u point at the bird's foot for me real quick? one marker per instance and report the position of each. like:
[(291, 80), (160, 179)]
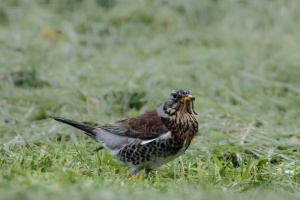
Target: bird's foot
[(182, 171), (133, 175)]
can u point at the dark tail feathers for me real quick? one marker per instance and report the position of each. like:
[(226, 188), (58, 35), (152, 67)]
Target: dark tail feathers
[(88, 130)]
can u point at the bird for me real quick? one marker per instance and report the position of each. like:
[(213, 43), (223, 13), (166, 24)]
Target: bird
[(150, 140)]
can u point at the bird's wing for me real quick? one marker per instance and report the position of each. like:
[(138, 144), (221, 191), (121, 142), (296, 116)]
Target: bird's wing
[(145, 127)]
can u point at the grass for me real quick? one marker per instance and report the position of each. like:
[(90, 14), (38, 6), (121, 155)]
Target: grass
[(102, 61)]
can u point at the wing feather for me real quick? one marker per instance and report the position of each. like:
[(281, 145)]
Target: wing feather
[(145, 127)]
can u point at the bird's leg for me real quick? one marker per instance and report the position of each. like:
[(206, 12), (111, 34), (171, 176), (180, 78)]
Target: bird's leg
[(99, 148), (147, 171), (133, 172), (182, 172)]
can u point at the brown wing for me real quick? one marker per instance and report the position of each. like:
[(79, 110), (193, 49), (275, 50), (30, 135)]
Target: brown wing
[(146, 126)]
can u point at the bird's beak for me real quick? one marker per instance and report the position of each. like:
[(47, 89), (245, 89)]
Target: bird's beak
[(188, 98)]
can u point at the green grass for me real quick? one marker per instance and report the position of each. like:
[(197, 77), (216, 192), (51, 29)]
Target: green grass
[(102, 61)]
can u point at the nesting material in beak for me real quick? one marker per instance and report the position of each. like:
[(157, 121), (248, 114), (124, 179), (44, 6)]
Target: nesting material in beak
[(188, 98)]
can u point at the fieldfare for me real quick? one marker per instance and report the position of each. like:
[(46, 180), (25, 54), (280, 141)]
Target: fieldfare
[(150, 140)]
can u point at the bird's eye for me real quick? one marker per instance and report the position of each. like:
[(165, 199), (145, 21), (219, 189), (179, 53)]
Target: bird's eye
[(174, 96)]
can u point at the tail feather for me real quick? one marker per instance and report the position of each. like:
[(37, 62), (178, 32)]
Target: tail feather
[(88, 130)]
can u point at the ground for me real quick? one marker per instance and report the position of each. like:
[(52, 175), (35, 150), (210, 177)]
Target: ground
[(100, 61)]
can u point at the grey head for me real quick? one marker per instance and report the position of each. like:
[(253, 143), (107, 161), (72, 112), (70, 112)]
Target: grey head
[(180, 100)]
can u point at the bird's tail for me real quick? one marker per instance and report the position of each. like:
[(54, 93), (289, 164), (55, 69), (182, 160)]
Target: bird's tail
[(88, 130)]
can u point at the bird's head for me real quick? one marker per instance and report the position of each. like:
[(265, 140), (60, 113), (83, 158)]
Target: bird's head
[(180, 100)]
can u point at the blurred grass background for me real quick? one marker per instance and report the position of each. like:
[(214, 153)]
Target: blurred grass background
[(102, 61)]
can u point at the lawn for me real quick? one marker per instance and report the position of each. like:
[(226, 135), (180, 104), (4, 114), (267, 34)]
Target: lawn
[(101, 61)]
